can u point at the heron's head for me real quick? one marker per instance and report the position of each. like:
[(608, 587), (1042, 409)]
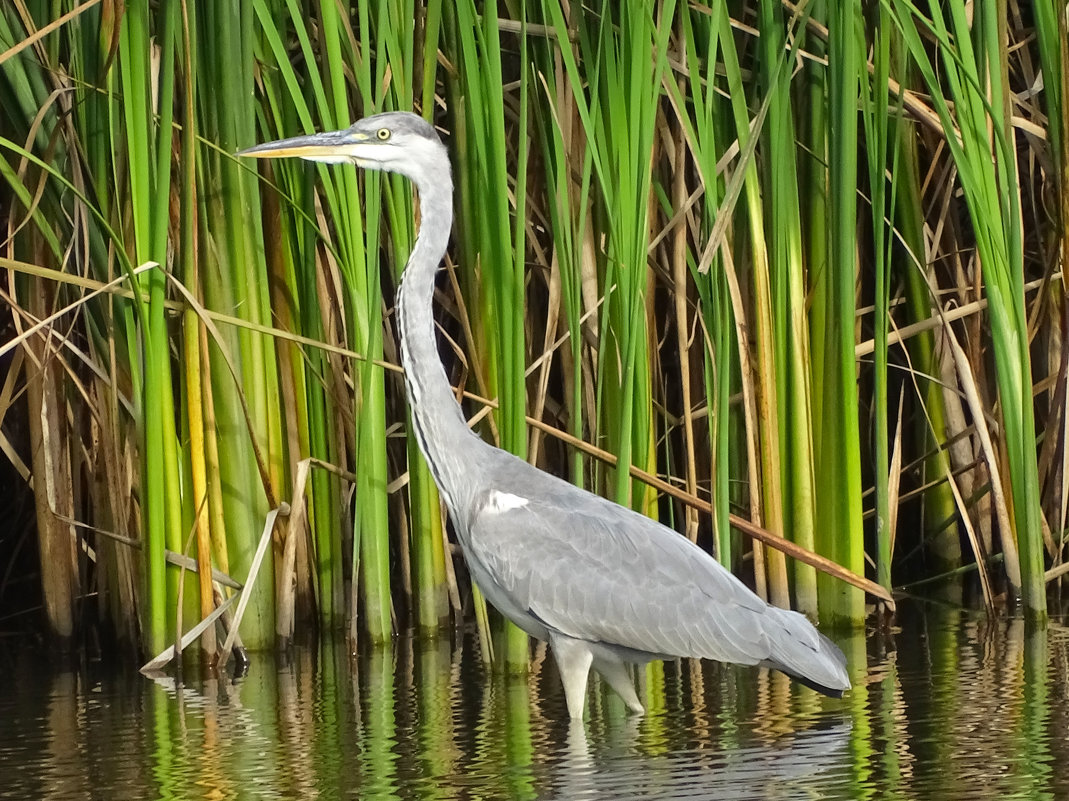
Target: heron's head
[(396, 141)]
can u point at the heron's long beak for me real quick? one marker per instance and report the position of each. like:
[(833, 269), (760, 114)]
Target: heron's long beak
[(330, 146)]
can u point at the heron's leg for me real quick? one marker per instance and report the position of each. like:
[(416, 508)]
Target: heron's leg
[(615, 672), (573, 660)]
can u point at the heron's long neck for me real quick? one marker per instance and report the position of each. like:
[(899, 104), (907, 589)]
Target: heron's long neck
[(440, 427)]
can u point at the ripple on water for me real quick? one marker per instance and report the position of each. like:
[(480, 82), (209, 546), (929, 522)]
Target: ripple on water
[(949, 706)]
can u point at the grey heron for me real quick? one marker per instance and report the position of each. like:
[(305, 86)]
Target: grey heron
[(604, 585)]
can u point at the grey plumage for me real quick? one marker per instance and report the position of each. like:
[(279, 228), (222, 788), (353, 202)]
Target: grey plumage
[(604, 585)]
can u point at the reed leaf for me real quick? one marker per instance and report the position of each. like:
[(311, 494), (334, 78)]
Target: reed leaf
[(657, 255), (979, 138)]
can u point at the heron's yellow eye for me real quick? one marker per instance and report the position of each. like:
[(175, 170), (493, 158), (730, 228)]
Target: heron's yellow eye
[(383, 134)]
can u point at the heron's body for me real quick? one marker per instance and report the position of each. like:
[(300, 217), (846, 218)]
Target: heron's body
[(604, 585)]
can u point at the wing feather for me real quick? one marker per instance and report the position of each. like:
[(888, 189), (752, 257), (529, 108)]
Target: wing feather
[(597, 571), (611, 575)]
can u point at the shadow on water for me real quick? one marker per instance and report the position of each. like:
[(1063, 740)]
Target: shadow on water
[(948, 705)]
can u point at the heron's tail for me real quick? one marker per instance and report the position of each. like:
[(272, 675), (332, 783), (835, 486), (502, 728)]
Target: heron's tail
[(806, 655)]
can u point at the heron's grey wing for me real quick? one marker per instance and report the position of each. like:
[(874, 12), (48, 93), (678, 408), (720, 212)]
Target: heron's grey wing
[(596, 571)]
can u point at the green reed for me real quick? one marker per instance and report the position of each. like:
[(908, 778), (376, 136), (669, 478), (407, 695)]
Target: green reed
[(836, 429), (663, 247), (978, 130), (493, 201)]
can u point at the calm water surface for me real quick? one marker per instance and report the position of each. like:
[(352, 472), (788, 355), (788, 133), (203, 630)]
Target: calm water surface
[(948, 705)]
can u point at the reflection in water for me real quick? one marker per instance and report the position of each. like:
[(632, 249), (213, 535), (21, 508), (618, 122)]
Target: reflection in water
[(788, 768), (950, 705)]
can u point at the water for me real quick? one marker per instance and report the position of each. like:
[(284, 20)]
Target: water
[(948, 705)]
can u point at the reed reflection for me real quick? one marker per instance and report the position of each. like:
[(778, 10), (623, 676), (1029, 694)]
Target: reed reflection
[(948, 704)]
